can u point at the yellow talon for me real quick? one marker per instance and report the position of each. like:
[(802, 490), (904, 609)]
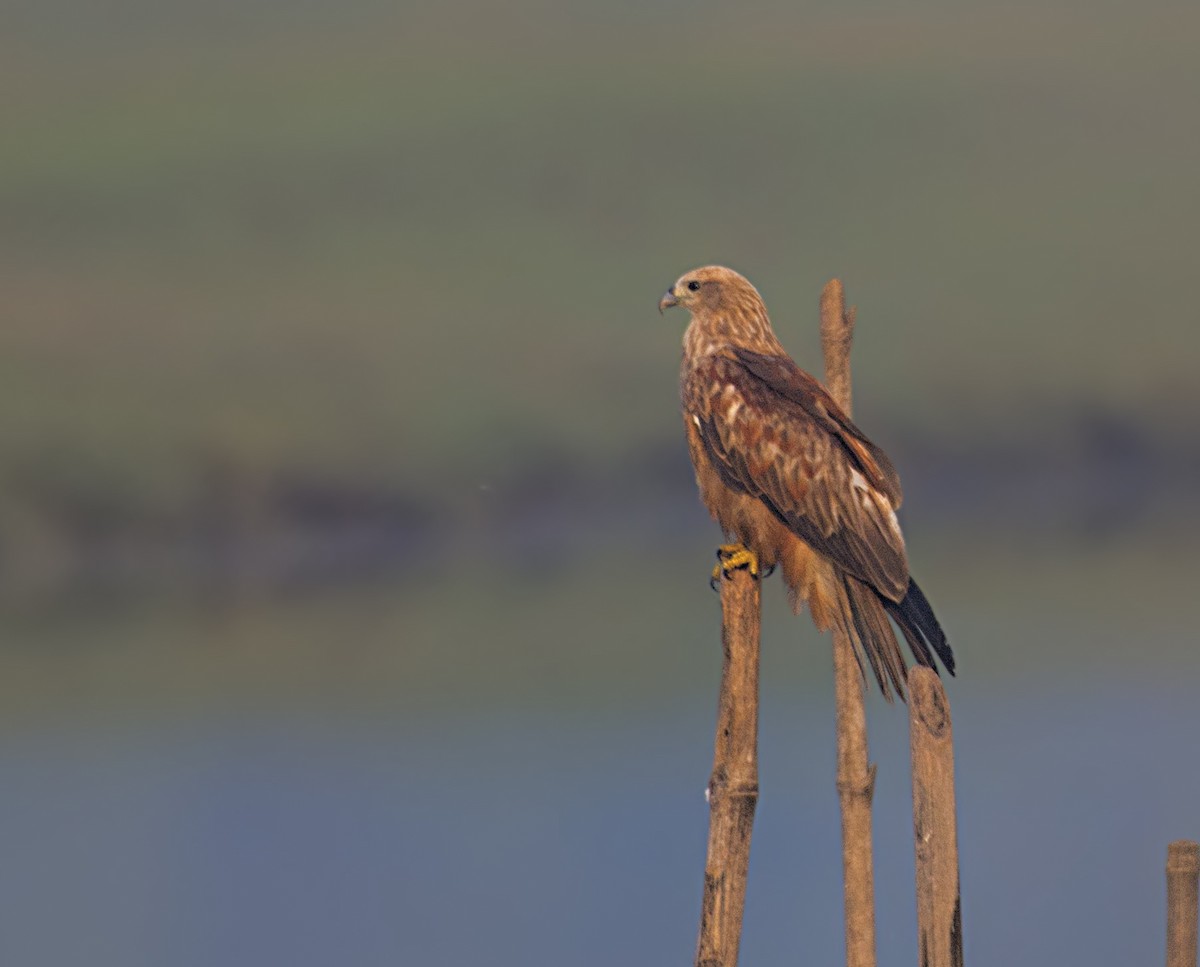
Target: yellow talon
[(731, 557)]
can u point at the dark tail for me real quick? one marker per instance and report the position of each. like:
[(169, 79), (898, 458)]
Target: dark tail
[(865, 614), (916, 619)]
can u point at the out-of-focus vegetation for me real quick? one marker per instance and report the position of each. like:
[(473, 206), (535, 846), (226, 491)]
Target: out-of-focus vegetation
[(302, 295), (407, 248)]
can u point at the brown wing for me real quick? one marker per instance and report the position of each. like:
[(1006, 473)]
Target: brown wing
[(772, 431)]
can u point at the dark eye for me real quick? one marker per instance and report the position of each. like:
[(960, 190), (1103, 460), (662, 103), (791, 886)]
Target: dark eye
[(693, 286)]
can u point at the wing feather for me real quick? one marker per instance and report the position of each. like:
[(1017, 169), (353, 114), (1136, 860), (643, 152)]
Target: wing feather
[(772, 431), (787, 379)]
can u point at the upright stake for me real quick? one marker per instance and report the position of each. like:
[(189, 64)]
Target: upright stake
[(855, 775), (935, 826), (733, 787), (1183, 872)]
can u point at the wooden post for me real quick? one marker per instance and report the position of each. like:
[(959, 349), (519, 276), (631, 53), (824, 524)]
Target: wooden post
[(935, 825), (855, 775), (1183, 874), (733, 787)]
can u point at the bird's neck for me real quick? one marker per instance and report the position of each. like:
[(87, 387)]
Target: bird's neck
[(711, 335)]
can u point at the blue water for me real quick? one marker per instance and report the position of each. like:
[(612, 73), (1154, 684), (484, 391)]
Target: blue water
[(541, 841)]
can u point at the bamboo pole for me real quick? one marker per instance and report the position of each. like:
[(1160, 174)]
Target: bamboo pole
[(733, 788), (935, 824), (1183, 877), (855, 774)]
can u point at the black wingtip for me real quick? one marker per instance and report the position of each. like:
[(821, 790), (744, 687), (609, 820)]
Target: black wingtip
[(920, 626)]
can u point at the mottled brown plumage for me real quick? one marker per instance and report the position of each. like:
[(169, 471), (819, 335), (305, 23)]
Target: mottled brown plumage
[(784, 471)]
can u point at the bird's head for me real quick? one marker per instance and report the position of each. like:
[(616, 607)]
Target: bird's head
[(709, 288), (725, 308)]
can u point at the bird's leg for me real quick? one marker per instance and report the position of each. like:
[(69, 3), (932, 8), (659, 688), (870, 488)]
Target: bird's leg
[(731, 557)]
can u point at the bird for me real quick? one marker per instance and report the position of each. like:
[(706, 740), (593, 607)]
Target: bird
[(793, 483)]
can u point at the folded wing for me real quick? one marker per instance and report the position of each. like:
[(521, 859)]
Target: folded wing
[(772, 431)]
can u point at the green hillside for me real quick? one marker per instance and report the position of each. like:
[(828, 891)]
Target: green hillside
[(408, 245)]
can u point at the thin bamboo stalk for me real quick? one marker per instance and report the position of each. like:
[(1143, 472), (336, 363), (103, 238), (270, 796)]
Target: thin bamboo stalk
[(855, 774), (1183, 879), (733, 787), (935, 824)]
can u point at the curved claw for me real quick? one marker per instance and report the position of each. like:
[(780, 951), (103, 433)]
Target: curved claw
[(734, 557)]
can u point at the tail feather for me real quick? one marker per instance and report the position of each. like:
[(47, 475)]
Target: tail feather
[(867, 625), (864, 617), (917, 620)]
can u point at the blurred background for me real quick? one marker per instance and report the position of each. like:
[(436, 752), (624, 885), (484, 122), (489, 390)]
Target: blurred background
[(353, 585)]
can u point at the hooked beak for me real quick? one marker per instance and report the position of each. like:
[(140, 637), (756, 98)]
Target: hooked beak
[(667, 300)]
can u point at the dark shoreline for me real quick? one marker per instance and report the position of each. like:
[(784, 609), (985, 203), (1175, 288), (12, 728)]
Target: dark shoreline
[(298, 530)]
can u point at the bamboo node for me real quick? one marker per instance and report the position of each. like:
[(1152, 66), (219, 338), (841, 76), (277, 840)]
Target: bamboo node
[(864, 786)]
